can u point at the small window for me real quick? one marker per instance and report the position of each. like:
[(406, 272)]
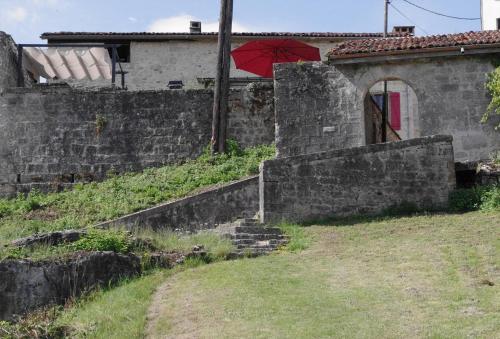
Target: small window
[(123, 53), (498, 23)]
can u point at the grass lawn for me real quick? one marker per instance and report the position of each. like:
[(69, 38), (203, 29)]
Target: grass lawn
[(432, 276)]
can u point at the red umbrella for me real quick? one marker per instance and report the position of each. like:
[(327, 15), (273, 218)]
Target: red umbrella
[(258, 56)]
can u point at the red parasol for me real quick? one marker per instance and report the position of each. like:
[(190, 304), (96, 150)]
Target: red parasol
[(259, 56)]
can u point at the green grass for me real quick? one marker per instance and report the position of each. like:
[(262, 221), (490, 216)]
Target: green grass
[(217, 248), (117, 313), (419, 276), (88, 204)]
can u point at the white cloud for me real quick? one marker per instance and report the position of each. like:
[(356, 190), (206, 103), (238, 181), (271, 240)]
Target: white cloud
[(132, 19), (18, 14), (180, 23)]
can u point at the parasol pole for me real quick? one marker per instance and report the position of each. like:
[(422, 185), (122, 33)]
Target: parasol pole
[(221, 89)]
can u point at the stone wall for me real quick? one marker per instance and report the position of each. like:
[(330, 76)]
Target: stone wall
[(362, 180), (26, 285), (59, 135), (320, 107), (8, 63), (201, 211)]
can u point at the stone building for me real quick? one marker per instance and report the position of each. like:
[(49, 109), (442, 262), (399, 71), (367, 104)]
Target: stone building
[(154, 59), (324, 106)]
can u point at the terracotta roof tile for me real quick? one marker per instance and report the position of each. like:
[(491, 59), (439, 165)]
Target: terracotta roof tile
[(374, 47), (145, 35)]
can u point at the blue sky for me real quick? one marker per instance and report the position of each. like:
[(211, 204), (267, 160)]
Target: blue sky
[(27, 19)]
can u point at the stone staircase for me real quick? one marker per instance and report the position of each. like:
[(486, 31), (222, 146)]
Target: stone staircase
[(252, 239)]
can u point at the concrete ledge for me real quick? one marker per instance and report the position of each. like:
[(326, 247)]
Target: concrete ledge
[(200, 211)]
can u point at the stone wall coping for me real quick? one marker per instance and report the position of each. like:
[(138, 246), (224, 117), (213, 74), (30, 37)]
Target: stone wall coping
[(235, 185), (375, 148), (65, 88)]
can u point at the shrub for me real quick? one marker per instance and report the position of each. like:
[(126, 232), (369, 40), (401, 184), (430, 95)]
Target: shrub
[(96, 240), (493, 87), (477, 198)]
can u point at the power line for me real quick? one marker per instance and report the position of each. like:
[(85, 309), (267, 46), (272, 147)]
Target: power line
[(440, 14), (410, 20)]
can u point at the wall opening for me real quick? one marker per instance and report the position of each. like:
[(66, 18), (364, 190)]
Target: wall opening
[(402, 114)]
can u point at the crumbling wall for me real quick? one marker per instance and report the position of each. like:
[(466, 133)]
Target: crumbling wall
[(363, 180), (320, 107), (8, 63), (26, 285), (53, 136)]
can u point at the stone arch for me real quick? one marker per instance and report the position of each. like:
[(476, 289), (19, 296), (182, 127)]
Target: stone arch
[(403, 109)]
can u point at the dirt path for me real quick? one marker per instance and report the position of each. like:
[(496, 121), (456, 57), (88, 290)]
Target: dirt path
[(184, 322)]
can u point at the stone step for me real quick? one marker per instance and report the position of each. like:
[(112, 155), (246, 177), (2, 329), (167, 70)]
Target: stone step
[(246, 222), (257, 230), (239, 236)]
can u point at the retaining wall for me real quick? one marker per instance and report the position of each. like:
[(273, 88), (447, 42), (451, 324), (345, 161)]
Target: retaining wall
[(201, 211), (54, 136), (26, 285), (362, 180)]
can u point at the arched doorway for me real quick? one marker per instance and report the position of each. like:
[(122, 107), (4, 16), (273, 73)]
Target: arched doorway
[(402, 117)]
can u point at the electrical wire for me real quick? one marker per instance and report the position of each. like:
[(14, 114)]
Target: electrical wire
[(440, 14), (407, 18)]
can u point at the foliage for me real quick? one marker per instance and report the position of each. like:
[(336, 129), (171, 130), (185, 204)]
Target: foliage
[(493, 87), (486, 198), (298, 240), (90, 203), (39, 324), (217, 248), (98, 240)]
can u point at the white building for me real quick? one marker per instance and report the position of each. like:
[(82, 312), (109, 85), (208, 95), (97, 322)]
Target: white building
[(152, 60), (490, 14)]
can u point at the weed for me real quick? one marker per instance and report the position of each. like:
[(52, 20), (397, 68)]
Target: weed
[(298, 240), (98, 240), (477, 198), (100, 123)]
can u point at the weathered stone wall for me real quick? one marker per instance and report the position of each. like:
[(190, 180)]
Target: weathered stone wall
[(362, 180), (200, 211), (8, 63), (26, 285), (320, 107), (56, 134)]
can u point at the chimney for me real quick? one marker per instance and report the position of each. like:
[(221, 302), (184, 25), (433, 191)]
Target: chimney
[(195, 27), (410, 30)]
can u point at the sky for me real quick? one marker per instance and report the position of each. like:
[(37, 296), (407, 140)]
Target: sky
[(25, 20)]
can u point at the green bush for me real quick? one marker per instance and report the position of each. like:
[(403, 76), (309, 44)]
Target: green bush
[(97, 240), (485, 198), (493, 87)]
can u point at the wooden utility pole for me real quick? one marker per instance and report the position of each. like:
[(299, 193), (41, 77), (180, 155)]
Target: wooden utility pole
[(221, 89), (385, 105)]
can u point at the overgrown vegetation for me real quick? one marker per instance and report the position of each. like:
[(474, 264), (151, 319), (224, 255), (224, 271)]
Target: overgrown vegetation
[(485, 198), (298, 239), (216, 247), (493, 87), (88, 204), (107, 313)]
